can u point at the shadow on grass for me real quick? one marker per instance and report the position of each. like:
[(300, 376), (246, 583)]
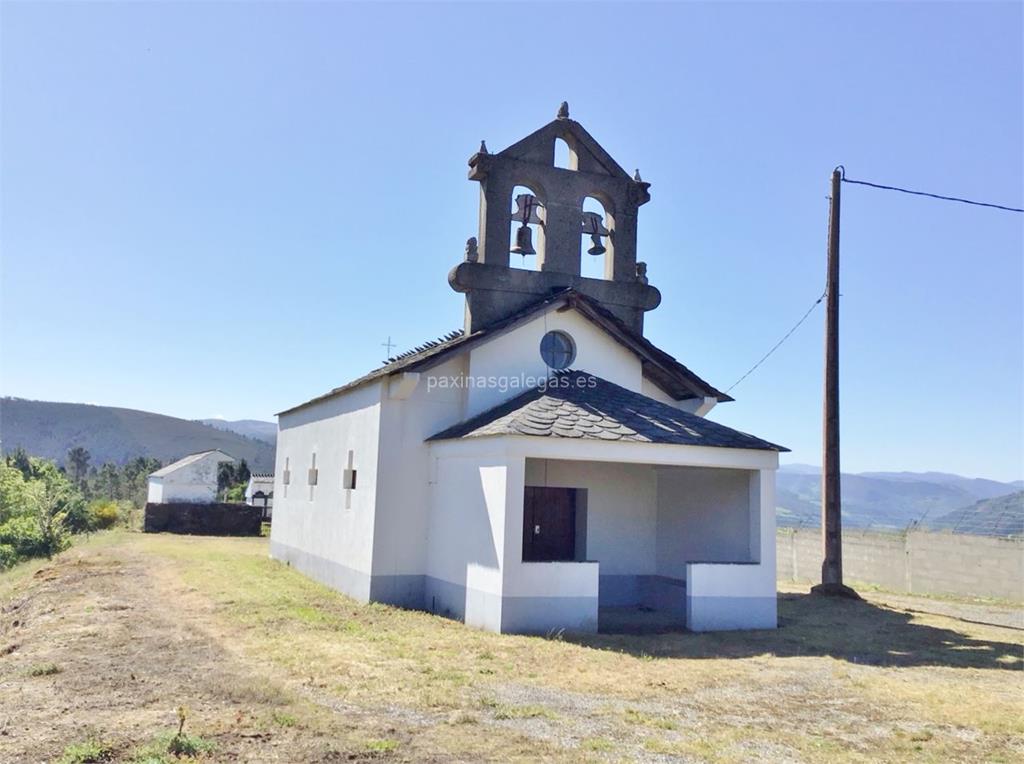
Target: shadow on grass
[(849, 630)]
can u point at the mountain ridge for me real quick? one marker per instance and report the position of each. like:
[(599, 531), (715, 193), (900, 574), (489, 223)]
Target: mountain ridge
[(250, 428), (884, 500), (115, 434)]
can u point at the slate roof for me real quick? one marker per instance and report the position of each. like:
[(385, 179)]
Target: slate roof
[(576, 404), (677, 380)]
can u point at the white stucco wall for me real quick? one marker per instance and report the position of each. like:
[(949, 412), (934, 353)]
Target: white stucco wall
[(315, 529), (466, 544), (725, 597), (195, 482), (704, 515), (517, 353), (403, 516)]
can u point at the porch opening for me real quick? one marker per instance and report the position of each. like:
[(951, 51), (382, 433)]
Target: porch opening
[(643, 525)]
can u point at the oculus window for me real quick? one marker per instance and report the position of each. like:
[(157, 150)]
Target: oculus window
[(558, 350)]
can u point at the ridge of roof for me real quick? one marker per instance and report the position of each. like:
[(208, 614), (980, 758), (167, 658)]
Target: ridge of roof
[(576, 404), (433, 352), (186, 460)]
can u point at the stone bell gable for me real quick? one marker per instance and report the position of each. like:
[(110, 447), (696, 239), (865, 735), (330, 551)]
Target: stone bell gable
[(548, 223)]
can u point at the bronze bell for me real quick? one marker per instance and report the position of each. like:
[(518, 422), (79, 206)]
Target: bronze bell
[(524, 242), (593, 225)]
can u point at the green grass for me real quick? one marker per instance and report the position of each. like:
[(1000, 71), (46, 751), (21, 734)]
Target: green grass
[(87, 752), (285, 720), (169, 747), (381, 746), (598, 744), (634, 716), (44, 669), (514, 711)]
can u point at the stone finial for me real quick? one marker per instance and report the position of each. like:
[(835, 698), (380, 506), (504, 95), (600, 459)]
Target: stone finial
[(563, 110), (641, 272), (472, 253), (483, 148), (636, 176)]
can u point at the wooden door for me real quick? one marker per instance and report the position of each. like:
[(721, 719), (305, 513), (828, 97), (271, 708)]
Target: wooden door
[(549, 524)]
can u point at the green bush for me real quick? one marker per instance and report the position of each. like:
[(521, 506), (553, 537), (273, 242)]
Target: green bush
[(88, 752), (103, 514), (24, 535), (38, 509), (8, 556), (236, 493)]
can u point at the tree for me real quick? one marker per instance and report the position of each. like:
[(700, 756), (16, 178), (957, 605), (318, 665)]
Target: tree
[(21, 461), (78, 465), (232, 479), (109, 481), (136, 478), (225, 476)]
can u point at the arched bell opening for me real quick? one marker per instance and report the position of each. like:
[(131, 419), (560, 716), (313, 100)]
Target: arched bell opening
[(595, 240), (565, 155), (526, 240)]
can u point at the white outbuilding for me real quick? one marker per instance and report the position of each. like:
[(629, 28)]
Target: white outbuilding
[(192, 479), (546, 467), (260, 492)]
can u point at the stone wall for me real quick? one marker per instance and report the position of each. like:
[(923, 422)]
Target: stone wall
[(203, 519), (922, 562)]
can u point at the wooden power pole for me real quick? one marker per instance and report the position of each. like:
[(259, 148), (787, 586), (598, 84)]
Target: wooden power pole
[(831, 495)]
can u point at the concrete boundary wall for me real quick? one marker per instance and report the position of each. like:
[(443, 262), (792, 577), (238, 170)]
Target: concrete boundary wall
[(921, 562)]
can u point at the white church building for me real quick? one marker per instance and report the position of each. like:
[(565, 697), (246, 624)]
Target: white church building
[(546, 467)]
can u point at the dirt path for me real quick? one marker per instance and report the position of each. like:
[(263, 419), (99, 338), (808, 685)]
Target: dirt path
[(127, 651)]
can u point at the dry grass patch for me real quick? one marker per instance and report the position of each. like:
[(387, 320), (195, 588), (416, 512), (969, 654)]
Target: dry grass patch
[(839, 681)]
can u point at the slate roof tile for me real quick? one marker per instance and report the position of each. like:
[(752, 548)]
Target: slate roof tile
[(575, 404)]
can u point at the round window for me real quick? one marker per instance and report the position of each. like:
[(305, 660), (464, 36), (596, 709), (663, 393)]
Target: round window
[(558, 350)]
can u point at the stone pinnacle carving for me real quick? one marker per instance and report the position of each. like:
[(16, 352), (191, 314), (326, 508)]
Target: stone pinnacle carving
[(563, 110)]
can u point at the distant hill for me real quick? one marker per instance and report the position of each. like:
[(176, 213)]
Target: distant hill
[(999, 516), (980, 487), (881, 499), (250, 428), (117, 435)]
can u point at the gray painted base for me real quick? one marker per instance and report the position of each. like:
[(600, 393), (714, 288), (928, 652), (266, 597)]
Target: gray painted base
[(657, 592), (347, 580), (542, 615), (534, 615), (401, 591), (731, 613)]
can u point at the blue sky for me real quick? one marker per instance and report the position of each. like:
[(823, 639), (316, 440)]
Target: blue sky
[(225, 209)]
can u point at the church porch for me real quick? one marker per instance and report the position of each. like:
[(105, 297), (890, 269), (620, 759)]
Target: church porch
[(587, 535)]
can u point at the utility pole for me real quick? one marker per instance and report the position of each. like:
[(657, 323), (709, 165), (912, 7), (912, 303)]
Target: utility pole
[(831, 495)]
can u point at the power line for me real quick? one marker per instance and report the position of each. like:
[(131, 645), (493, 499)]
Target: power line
[(844, 179), (932, 196), (778, 344)]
